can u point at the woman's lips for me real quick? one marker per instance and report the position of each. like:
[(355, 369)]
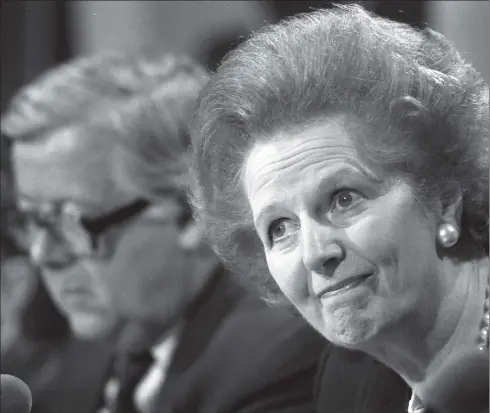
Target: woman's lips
[(344, 285)]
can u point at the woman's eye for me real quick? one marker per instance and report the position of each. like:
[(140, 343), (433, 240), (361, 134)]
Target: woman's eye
[(278, 229), (345, 199)]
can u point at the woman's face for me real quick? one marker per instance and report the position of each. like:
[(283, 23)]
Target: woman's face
[(348, 244)]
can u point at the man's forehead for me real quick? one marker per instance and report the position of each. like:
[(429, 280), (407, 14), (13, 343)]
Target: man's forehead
[(74, 140), (66, 165)]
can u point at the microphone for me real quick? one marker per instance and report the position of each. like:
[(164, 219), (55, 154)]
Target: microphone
[(15, 396), (462, 386)]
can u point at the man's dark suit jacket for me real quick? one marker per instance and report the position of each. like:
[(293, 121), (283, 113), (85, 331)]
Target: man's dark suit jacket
[(64, 376), (235, 355), (238, 355)]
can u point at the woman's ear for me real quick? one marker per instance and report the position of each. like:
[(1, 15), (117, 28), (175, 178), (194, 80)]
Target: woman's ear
[(190, 236), (452, 207)]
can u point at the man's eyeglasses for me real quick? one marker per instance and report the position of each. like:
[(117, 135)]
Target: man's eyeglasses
[(63, 225)]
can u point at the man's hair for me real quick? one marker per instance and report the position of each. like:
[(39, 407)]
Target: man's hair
[(145, 99), (415, 106)]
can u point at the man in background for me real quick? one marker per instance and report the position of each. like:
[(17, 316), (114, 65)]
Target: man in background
[(33, 332), (100, 150)]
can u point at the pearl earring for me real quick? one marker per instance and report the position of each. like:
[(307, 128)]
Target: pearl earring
[(447, 235), (484, 335)]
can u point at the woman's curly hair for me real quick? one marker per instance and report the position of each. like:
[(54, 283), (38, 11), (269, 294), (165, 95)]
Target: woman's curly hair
[(418, 108)]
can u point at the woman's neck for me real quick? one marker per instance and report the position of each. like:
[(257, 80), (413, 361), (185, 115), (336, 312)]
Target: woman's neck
[(420, 358)]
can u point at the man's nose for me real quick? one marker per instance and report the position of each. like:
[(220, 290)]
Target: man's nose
[(321, 250), (46, 252)]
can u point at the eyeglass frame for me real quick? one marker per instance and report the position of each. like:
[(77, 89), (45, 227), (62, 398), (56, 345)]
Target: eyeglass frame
[(93, 228)]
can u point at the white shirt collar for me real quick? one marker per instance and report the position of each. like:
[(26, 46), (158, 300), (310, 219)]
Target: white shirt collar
[(165, 346), (163, 353), (147, 389), (415, 405)]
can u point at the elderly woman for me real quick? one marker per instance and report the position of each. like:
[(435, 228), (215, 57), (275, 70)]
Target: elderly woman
[(346, 155)]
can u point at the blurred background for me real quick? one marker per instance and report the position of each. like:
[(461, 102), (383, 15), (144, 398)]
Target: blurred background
[(36, 35)]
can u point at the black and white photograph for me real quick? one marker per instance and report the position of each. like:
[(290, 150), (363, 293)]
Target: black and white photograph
[(264, 206)]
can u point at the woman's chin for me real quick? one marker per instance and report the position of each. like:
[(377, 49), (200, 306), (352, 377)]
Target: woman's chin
[(347, 329)]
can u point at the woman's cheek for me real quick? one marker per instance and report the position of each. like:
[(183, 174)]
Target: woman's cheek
[(369, 234), (288, 272)]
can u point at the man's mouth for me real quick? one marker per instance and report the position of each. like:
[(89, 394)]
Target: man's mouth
[(344, 285), (77, 297)]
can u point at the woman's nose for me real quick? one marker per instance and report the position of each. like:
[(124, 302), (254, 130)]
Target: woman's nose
[(321, 251)]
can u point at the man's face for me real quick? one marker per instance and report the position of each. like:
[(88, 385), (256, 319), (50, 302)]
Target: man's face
[(18, 283), (136, 268)]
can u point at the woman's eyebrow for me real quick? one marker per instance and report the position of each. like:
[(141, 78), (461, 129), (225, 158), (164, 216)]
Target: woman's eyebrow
[(332, 178), (263, 212), (335, 175)]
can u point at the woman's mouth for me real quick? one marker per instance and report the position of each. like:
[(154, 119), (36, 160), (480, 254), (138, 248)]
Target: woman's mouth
[(344, 286)]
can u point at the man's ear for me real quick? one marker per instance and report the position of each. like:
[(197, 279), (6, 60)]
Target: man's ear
[(190, 236), (452, 207), (21, 280)]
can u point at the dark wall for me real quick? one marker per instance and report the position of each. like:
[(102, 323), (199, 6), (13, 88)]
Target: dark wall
[(12, 40), (34, 37), (411, 12)]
